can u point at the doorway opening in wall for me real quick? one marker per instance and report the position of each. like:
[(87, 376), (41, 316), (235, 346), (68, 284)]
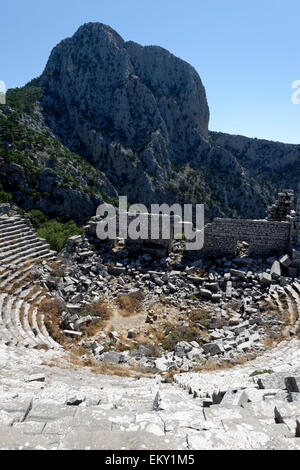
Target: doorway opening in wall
[(242, 248)]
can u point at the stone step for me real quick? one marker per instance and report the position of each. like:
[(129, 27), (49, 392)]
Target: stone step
[(6, 309), (12, 240), (13, 231), (16, 320), (36, 243), (34, 324), (5, 220), (17, 329), (12, 224), (15, 238), (47, 254), (26, 326), (15, 258), (9, 277)]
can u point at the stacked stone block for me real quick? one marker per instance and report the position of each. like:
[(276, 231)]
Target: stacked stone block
[(264, 237), (282, 207), (164, 225)]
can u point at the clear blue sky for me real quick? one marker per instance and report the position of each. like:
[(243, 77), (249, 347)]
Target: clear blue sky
[(246, 52)]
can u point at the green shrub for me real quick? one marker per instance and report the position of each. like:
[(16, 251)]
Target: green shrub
[(57, 233), (24, 99), (5, 197), (37, 218), (171, 188)]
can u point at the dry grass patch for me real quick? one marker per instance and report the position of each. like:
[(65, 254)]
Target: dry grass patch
[(73, 360), (52, 310), (34, 291), (222, 364), (131, 304), (58, 269), (202, 317), (272, 341), (268, 306), (174, 334)]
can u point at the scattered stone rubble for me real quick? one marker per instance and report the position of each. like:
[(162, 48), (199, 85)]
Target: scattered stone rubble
[(252, 406), (242, 301), (232, 289)]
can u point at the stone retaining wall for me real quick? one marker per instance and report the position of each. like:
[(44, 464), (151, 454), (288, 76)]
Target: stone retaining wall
[(264, 237)]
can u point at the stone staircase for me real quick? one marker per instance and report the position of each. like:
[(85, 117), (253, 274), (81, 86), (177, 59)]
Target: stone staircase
[(21, 323), (58, 407), (64, 407), (287, 300)]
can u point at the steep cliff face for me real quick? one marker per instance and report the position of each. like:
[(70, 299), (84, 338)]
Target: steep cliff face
[(41, 173), (131, 110), (272, 162), (139, 115)]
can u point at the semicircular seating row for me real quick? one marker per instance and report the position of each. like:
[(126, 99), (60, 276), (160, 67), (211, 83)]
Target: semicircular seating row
[(21, 322), (287, 301)]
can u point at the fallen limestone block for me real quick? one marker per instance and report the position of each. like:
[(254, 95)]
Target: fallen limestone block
[(72, 333), (288, 413), (98, 350), (36, 378), (195, 353), (132, 333), (75, 401), (266, 279), (212, 286), (273, 380), (228, 290), (238, 273), (216, 297), (293, 396), (245, 346), (116, 270), (113, 357), (213, 349), (234, 397), (195, 280), (292, 384), (83, 320), (255, 395), (276, 270), (205, 294), (285, 261)]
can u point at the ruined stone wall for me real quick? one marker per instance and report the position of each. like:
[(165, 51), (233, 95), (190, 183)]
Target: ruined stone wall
[(220, 237), (264, 237), (156, 230)]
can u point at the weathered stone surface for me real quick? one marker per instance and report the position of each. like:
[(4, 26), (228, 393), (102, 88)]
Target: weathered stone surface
[(36, 378), (266, 279), (212, 349), (285, 261), (275, 270), (292, 384)]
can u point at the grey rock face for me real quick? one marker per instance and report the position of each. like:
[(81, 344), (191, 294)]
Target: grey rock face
[(121, 100), (139, 114)]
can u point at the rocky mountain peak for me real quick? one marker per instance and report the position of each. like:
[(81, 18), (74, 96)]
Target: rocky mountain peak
[(139, 114), (110, 85)]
